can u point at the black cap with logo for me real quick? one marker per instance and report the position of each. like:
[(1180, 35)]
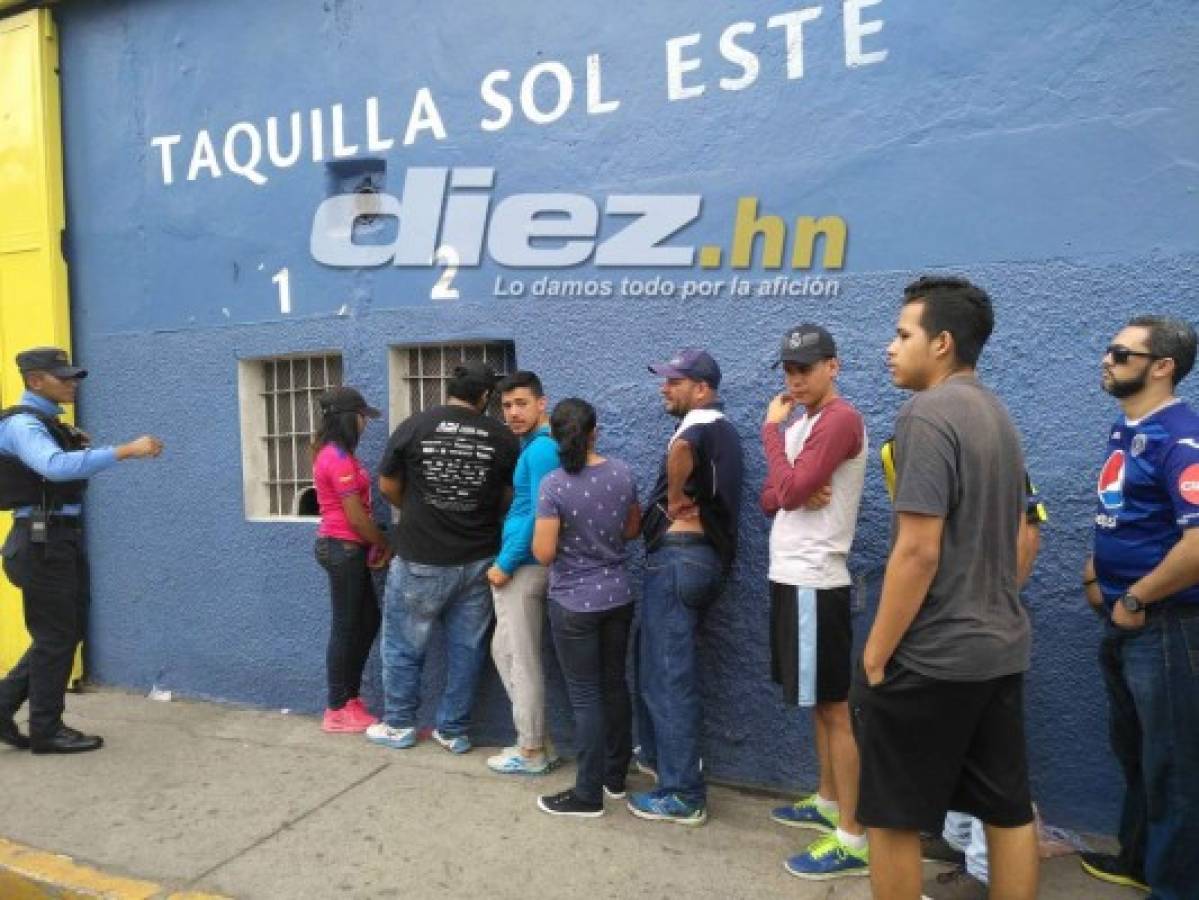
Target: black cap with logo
[(805, 345)]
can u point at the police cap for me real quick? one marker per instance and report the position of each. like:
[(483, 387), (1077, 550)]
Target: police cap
[(49, 359)]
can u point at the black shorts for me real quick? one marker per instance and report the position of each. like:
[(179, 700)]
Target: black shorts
[(928, 746), (825, 673)]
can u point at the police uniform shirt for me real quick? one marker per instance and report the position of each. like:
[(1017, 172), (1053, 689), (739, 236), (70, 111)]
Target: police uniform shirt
[(22, 435)]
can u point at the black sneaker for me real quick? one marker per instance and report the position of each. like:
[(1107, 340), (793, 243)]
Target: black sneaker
[(567, 804), (1110, 868), (10, 734), (934, 848), (614, 790), (957, 884)]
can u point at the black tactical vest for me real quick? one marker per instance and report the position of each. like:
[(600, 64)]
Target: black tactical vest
[(22, 486)]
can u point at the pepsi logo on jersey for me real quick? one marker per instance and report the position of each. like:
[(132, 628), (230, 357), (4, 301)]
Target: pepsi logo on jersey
[(1111, 481), (1188, 484)]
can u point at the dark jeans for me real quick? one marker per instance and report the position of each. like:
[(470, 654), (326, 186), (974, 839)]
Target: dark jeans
[(591, 649), (1152, 679), (55, 587), (354, 619), (682, 579)]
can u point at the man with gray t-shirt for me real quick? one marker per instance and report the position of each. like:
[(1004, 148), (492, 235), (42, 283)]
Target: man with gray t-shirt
[(938, 707)]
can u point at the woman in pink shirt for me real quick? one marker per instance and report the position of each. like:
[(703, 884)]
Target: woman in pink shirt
[(348, 545)]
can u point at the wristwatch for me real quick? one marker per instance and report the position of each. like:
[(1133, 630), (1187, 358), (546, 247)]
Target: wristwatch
[(1130, 602)]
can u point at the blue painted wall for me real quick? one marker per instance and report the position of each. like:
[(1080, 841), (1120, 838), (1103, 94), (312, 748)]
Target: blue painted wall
[(1049, 151)]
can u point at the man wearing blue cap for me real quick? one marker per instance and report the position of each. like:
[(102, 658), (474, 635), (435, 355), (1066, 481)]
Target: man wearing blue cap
[(44, 468), (690, 532)]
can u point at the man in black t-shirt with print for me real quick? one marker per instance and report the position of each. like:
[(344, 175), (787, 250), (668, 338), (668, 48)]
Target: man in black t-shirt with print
[(449, 472)]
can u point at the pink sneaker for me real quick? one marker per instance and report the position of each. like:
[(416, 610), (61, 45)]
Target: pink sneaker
[(359, 713), (343, 721)]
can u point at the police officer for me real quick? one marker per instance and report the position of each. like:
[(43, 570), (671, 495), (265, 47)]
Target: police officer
[(44, 467)]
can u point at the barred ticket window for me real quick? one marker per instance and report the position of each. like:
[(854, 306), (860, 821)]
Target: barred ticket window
[(279, 417), (419, 373)]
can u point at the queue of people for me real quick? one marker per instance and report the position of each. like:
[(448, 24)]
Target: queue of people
[(921, 743), (527, 520)]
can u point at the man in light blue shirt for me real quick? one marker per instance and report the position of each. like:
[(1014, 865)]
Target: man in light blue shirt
[(518, 582), (44, 467)]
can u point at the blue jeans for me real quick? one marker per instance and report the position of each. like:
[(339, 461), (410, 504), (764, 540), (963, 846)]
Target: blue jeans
[(1152, 679), (416, 596), (681, 581), (591, 649)]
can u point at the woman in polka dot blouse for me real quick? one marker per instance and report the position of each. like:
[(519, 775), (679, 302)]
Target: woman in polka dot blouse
[(586, 510)]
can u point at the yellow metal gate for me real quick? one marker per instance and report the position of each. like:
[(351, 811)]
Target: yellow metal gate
[(33, 274)]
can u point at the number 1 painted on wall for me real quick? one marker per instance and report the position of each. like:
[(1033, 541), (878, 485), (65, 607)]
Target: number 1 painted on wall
[(283, 280)]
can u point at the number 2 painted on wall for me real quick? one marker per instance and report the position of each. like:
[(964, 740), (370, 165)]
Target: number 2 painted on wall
[(282, 278), (448, 257)]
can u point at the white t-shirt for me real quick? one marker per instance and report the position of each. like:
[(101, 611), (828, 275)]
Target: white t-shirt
[(809, 548)]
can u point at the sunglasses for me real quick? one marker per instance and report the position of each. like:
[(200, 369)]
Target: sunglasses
[(1120, 355)]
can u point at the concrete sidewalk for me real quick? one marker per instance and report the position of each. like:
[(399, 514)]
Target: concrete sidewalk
[(250, 804)]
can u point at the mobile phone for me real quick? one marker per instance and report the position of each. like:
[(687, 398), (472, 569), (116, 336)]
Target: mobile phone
[(37, 528)]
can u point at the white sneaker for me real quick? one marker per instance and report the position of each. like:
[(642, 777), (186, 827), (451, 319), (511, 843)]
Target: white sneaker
[(397, 738)]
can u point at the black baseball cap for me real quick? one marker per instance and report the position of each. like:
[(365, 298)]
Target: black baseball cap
[(690, 362), (346, 399), (49, 359), (806, 344)]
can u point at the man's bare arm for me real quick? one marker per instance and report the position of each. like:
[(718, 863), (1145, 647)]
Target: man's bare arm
[(393, 489), (911, 568)]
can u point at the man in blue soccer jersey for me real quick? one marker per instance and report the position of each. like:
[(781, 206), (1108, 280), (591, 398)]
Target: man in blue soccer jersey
[(1143, 579)]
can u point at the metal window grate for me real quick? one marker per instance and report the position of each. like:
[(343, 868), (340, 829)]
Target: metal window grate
[(430, 366), (291, 386)]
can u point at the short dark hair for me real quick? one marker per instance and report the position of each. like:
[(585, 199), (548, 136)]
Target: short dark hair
[(467, 385), (1170, 338), (955, 305), (521, 379)]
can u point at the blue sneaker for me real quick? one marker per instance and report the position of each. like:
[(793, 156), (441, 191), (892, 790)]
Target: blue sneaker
[(458, 743), (512, 761), (666, 807), (397, 738), (805, 814), (828, 858)]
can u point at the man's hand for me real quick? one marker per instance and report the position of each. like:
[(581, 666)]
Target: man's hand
[(498, 577), (874, 667), (379, 557), (820, 499), (779, 409), (681, 509), (1129, 621), (140, 448)]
